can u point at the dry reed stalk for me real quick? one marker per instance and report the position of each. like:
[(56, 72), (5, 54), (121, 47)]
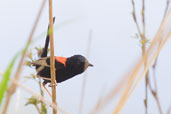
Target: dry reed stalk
[(139, 65), (155, 63), (37, 108), (155, 90), (52, 59), (148, 66), (143, 38), (13, 87), (39, 97), (41, 93), (85, 75), (167, 7)]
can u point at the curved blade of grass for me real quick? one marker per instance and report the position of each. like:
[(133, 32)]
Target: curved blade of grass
[(6, 76)]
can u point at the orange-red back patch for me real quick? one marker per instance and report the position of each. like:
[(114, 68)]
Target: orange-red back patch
[(61, 60)]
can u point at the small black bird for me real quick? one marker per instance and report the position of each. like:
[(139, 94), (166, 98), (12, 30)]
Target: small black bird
[(65, 68)]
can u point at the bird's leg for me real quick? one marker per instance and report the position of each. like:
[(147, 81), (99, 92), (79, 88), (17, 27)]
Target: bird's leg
[(50, 85), (44, 86), (41, 77)]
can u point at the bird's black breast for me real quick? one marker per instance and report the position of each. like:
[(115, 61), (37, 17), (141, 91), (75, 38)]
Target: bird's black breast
[(63, 72), (69, 71)]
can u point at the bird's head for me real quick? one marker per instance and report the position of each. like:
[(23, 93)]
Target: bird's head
[(80, 62)]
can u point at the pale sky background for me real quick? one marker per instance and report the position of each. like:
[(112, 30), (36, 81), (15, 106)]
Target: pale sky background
[(113, 52)]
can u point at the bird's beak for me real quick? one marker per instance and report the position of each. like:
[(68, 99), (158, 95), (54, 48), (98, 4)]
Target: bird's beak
[(90, 65)]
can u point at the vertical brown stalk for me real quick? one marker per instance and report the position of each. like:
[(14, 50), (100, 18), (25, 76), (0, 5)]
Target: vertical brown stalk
[(143, 40), (52, 59), (155, 90), (143, 37)]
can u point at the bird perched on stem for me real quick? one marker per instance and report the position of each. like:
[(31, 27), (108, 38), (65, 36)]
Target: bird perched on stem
[(65, 68)]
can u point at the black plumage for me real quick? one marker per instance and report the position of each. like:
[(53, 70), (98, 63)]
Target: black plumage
[(73, 66)]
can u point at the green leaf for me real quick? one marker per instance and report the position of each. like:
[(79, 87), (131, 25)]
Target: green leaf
[(6, 76), (144, 41), (33, 101), (43, 109)]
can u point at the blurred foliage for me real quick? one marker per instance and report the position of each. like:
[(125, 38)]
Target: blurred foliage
[(32, 100), (33, 55), (144, 41), (6, 77)]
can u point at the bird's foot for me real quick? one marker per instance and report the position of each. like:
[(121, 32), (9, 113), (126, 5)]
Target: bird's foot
[(55, 84)]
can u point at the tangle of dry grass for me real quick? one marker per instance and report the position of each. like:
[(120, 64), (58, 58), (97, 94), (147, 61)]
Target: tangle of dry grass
[(39, 97), (137, 68), (13, 87)]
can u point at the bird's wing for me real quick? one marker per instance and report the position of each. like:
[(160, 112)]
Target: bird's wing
[(41, 62), (45, 61), (59, 65)]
